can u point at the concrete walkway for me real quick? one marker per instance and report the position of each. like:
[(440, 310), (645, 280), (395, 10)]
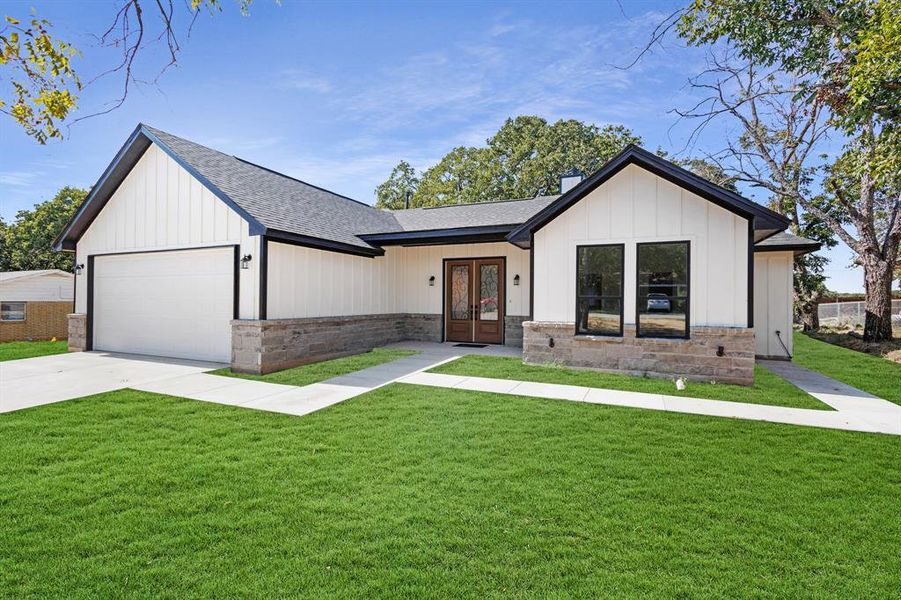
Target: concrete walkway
[(46, 379), (854, 410), (37, 381), (294, 400)]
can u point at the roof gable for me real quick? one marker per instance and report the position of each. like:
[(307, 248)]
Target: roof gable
[(765, 220), (273, 204)]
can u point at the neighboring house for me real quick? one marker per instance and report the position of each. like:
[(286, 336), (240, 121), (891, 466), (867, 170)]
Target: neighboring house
[(641, 267), (34, 305)]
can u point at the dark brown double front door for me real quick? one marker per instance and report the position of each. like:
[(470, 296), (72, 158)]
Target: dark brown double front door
[(474, 303)]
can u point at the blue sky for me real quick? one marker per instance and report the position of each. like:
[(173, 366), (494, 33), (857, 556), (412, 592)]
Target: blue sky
[(337, 93)]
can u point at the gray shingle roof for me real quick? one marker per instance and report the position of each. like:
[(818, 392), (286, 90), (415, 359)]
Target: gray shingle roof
[(283, 203), (280, 202), (787, 241), (504, 212)]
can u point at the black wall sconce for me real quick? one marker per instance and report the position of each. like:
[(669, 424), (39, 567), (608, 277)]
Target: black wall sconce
[(516, 280), (245, 261), (79, 269), (432, 281)]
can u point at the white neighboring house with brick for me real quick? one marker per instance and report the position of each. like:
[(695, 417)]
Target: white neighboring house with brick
[(34, 305), (641, 267)]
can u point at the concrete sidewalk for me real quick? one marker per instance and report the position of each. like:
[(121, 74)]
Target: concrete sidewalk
[(294, 400), (854, 410)]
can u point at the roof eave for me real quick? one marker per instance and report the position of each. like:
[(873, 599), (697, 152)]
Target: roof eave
[(116, 172), (764, 218), (455, 235), (296, 239)]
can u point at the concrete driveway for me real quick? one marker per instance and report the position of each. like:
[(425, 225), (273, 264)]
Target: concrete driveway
[(47, 379)]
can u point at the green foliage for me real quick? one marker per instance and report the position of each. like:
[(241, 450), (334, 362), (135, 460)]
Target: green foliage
[(523, 159), (27, 243), (846, 52), (42, 84), (399, 186)]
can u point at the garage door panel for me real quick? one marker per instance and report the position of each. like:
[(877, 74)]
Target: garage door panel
[(177, 304)]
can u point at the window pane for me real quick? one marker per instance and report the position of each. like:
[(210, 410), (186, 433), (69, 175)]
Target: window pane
[(460, 292), (663, 289), (12, 311), (599, 289), (488, 293), (601, 316), (600, 270), (666, 321)]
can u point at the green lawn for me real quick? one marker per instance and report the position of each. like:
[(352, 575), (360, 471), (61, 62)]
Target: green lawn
[(767, 389), (312, 373), (872, 374), (17, 350), (414, 492)]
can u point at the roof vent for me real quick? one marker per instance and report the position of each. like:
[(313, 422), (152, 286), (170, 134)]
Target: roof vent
[(570, 179)]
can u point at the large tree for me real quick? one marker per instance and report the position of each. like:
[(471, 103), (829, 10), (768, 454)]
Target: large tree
[(524, 158), (823, 66), (27, 243), (40, 81)]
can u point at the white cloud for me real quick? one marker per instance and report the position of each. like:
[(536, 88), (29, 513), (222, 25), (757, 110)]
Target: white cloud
[(19, 178), (293, 79)]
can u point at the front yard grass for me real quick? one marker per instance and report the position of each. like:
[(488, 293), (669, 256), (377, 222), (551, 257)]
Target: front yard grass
[(17, 350), (872, 374), (315, 372), (768, 388), (415, 492)]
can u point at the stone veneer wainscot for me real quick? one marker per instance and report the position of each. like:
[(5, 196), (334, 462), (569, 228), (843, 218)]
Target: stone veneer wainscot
[(694, 358)]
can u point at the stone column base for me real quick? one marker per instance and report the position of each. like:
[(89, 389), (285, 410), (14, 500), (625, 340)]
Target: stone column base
[(695, 358), (513, 330), (78, 328), (261, 347)]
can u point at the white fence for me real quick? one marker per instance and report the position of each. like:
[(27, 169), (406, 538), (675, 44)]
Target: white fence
[(847, 314)]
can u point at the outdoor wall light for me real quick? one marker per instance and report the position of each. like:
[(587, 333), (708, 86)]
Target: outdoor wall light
[(432, 281), (516, 280), (245, 261), (79, 269)]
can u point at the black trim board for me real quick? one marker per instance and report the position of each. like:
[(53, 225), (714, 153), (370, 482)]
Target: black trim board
[(750, 273), (432, 237), (296, 239), (89, 319), (796, 248), (264, 277), (236, 284), (728, 200)]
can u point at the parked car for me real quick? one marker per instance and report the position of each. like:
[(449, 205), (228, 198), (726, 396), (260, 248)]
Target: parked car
[(658, 302)]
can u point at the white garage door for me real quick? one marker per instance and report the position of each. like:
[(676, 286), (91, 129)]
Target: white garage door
[(175, 304)]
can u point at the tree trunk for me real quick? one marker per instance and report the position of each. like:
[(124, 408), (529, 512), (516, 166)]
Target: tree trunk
[(809, 316), (878, 275)]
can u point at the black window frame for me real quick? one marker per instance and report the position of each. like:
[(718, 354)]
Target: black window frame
[(687, 333), (622, 291)]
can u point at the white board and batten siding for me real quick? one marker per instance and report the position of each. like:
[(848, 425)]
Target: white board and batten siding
[(637, 206), (305, 282), (773, 289), (47, 287), (160, 206)]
